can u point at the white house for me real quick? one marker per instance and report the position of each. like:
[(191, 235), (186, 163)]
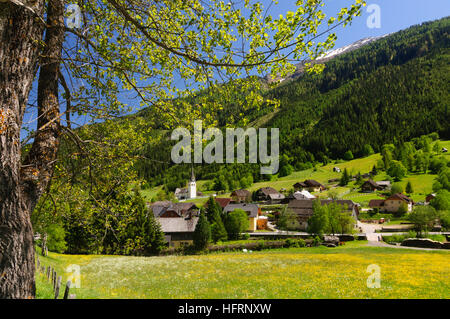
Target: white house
[(304, 194)]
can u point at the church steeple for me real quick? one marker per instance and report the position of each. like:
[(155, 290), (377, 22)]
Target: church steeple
[(192, 186), (192, 175)]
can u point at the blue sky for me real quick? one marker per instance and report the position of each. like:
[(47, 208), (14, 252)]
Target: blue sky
[(395, 16)]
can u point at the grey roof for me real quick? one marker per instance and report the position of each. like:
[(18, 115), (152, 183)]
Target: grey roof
[(384, 183), (241, 193), (177, 225), (250, 208), (276, 196), (159, 208), (268, 190), (303, 195), (181, 191)]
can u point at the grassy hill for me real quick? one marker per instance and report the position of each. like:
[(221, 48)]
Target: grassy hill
[(288, 273), (421, 183)]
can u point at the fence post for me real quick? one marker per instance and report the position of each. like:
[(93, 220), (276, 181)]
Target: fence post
[(54, 279), (58, 285), (66, 291), (48, 272), (44, 246)]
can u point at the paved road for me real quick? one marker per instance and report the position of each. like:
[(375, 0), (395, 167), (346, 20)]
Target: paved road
[(369, 230), (375, 239)]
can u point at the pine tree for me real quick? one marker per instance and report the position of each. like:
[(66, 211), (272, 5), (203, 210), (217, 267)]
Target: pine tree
[(345, 179), (148, 227), (409, 188), (218, 231), (214, 212), (374, 171), (202, 233)]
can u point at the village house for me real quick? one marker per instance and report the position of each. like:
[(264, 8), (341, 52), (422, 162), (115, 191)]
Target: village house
[(394, 202), (166, 209), (269, 194), (303, 208), (310, 185), (178, 232), (241, 196), (304, 194), (385, 185), (371, 186), (376, 203), (252, 210)]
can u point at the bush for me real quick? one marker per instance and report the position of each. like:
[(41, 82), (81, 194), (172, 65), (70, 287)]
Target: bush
[(348, 155), (236, 222), (290, 242), (317, 241), (402, 210), (445, 219), (442, 200), (56, 238), (411, 234), (440, 238), (394, 238), (396, 188)]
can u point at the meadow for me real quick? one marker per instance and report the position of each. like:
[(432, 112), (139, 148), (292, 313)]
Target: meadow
[(318, 272)]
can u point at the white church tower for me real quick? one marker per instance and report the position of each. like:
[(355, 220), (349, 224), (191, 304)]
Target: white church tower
[(192, 186)]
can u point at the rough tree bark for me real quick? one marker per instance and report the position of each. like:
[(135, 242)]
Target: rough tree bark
[(21, 32)]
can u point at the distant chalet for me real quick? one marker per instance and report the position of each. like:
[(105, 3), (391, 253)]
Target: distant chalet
[(392, 204), (310, 185), (178, 231), (241, 196), (166, 209), (177, 220), (371, 186), (269, 194)]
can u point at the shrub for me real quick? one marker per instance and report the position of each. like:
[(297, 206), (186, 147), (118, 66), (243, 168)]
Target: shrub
[(348, 155), (56, 238), (440, 238), (236, 222), (317, 241), (445, 219)]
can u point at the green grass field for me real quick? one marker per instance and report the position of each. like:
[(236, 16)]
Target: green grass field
[(286, 273)]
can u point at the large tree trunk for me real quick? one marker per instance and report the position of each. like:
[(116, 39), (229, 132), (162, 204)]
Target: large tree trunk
[(21, 32)]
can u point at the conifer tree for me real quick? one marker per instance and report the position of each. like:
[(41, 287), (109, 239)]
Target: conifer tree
[(202, 233)]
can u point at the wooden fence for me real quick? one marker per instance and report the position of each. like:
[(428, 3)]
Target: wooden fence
[(51, 275)]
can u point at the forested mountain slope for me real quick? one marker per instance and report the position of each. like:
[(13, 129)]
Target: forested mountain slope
[(388, 91)]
